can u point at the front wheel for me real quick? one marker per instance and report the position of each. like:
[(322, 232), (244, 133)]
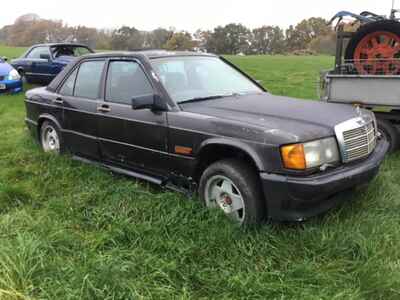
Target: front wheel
[(23, 77), (390, 133), (233, 186)]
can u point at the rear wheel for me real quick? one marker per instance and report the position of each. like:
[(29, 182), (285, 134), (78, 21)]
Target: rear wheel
[(233, 186), (50, 138), (390, 133)]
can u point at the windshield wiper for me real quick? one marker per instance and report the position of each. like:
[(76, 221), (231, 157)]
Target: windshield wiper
[(199, 99)]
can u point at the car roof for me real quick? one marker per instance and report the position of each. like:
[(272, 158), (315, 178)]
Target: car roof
[(60, 45), (153, 53), (150, 54)]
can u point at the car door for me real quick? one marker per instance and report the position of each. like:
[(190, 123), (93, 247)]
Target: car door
[(38, 64), (133, 138), (79, 95)]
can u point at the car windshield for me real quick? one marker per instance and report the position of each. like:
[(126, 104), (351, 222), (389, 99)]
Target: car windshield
[(199, 78), (74, 51)]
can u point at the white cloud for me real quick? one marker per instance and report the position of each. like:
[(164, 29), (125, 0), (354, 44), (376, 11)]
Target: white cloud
[(188, 15)]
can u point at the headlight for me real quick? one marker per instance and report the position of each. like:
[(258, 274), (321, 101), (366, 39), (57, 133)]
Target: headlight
[(13, 75), (310, 155)]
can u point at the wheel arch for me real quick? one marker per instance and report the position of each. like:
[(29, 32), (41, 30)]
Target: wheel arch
[(20, 70), (47, 117), (217, 149)]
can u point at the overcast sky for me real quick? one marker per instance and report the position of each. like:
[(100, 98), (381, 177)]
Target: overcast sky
[(188, 15)]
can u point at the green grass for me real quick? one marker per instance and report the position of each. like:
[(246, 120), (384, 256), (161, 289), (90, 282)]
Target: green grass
[(72, 231), (11, 52), (293, 76)]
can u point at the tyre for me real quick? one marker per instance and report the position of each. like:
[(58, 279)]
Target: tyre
[(233, 186), (50, 138), (23, 77), (390, 133), (374, 48)]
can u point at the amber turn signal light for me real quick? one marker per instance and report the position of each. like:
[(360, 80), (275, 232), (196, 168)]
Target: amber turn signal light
[(293, 157)]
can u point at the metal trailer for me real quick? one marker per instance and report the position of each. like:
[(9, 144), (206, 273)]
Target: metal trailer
[(379, 93)]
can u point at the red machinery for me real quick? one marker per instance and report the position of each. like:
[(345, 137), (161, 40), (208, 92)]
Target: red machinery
[(374, 49)]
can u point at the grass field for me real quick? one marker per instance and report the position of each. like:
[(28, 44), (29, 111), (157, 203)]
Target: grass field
[(11, 52), (72, 231)]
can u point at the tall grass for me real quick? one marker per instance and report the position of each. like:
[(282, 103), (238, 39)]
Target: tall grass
[(72, 231)]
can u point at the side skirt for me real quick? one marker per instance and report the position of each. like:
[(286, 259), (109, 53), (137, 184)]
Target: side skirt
[(161, 181)]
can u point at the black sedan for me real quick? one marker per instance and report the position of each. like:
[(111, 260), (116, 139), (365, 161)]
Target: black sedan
[(195, 122)]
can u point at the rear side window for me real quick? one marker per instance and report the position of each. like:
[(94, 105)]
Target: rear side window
[(68, 86), (126, 80), (88, 80)]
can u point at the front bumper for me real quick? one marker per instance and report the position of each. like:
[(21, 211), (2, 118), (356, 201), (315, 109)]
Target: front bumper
[(11, 86), (292, 198)]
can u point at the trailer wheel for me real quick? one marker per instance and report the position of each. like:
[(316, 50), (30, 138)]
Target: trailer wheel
[(375, 48), (390, 133)]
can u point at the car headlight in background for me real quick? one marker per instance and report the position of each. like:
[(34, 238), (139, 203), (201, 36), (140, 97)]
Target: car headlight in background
[(13, 75), (310, 155)]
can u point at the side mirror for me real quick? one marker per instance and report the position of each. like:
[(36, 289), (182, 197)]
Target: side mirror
[(45, 56), (5, 58), (153, 102)]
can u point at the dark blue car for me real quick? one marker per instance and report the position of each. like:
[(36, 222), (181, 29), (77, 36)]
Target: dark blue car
[(41, 63), (10, 80)]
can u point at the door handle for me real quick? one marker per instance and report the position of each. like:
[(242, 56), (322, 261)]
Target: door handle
[(58, 100), (104, 108)]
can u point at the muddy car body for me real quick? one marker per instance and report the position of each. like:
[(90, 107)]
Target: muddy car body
[(252, 154)]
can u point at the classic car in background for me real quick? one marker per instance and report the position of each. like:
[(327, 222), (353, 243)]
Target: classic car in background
[(41, 63), (10, 80)]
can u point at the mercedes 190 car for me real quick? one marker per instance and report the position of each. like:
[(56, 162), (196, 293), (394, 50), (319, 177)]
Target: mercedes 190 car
[(195, 122), (10, 80), (41, 63)]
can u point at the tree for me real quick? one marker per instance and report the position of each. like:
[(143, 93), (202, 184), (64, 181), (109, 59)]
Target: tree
[(230, 39), (157, 38), (202, 39), (310, 34), (85, 35), (268, 40), (26, 33), (27, 18), (299, 37), (324, 44), (4, 32), (238, 38), (180, 41), (103, 39), (127, 38)]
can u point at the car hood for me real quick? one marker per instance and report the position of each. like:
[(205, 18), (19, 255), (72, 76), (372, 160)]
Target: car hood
[(5, 68), (282, 119)]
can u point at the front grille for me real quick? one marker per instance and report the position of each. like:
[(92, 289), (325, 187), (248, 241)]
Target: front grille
[(357, 139), (359, 142)]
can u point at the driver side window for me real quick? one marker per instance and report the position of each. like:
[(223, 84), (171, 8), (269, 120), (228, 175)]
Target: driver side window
[(125, 81)]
